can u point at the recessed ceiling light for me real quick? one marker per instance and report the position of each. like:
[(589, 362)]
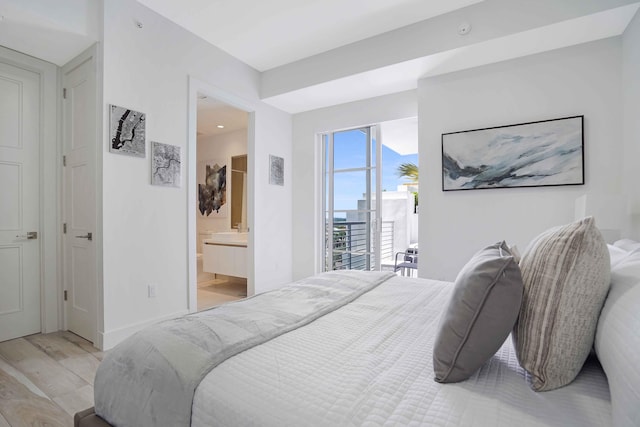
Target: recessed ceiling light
[(220, 126)]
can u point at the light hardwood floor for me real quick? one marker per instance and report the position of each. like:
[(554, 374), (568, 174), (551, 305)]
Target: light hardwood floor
[(45, 379)]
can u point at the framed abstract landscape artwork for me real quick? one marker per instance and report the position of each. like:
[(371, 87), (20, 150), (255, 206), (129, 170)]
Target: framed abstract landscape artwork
[(543, 153), (212, 188)]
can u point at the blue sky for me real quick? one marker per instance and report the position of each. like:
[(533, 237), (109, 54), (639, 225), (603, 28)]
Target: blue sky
[(349, 152)]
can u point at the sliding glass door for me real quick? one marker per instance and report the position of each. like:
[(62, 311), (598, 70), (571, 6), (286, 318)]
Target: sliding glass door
[(352, 175)]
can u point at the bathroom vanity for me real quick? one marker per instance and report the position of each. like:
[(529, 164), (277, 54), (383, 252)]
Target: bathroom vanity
[(225, 253)]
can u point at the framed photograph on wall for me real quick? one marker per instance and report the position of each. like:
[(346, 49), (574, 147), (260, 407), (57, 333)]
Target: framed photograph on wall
[(127, 131), (165, 164), (534, 154)]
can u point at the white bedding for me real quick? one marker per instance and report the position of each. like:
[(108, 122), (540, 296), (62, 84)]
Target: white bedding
[(369, 363)]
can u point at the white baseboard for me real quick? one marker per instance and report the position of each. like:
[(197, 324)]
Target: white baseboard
[(110, 339)]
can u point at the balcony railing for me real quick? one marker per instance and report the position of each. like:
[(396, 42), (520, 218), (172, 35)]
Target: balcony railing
[(351, 245)]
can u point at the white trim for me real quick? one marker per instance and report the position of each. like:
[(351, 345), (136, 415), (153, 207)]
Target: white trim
[(109, 339), (48, 197), (377, 129), (195, 87), (319, 194)]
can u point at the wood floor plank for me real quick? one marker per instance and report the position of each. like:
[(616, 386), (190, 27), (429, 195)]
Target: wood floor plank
[(55, 346), (45, 379), (71, 351), (21, 378), (42, 370), (84, 366), (82, 343), (21, 408), (76, 401), (4, 422)]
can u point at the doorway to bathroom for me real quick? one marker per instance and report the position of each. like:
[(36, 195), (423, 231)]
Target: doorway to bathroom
[(221, 211)]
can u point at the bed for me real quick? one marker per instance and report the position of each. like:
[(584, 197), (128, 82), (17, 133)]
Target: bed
[(362, 357)]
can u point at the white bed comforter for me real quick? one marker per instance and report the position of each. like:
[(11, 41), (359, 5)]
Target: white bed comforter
[(149, 379), (369, 363)]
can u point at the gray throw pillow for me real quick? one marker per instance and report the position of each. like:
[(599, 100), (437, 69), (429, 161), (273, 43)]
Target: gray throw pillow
[(566, 272), (482, 311)]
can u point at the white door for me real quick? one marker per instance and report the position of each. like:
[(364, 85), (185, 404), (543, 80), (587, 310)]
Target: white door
[(80, 199), (352, 202), (19, 202)]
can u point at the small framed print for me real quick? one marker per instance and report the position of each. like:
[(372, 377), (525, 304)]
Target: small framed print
[(165, 164), (127, 131), (276, 170)]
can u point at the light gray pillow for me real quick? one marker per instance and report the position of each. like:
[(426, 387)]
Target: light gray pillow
[(481, 313), (565, 271)]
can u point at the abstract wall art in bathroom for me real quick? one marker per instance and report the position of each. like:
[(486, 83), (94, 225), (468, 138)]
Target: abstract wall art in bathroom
[(212, 188), (534, 154), (127, 131), (276, 170), (165, 164)]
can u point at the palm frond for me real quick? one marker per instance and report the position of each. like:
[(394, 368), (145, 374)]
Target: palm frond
[(408, 170)]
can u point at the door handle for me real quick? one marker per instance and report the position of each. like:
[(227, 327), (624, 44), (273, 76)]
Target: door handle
[(29, 236), (89, 237)]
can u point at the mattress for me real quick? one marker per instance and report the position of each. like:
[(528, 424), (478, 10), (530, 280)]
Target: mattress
[(369, 363)]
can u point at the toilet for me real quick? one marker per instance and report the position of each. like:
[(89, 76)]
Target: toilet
[(203, 276)]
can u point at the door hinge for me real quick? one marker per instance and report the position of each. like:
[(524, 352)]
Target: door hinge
[(64, 228), (64, 160), (64, 92), (65, 295)]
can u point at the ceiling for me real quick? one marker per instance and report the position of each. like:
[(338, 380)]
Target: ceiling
[(56, 31), (268, 33), (401, 135), (318, 53), (213, 113)]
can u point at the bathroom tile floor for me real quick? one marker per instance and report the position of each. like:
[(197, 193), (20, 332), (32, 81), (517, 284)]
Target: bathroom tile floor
[(219, 291)]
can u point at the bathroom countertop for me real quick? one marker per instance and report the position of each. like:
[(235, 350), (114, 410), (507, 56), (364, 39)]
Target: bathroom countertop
[(228, 238)]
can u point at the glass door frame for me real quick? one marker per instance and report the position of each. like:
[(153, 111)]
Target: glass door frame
[(373, 227)]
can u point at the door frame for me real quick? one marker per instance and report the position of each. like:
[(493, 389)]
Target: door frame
[(49, 188), (199, 87)]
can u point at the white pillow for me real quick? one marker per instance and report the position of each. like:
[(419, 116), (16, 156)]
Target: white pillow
[(617, 341), (627, 245), (617, 254)]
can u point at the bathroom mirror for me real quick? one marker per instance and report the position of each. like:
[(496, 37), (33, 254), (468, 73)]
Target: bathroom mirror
[(239, 192)]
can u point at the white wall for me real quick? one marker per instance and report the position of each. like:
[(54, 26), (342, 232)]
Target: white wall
[(219, 147), (631, 125), (271, 220), (573, 81), (307, 167), (144, 226)]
